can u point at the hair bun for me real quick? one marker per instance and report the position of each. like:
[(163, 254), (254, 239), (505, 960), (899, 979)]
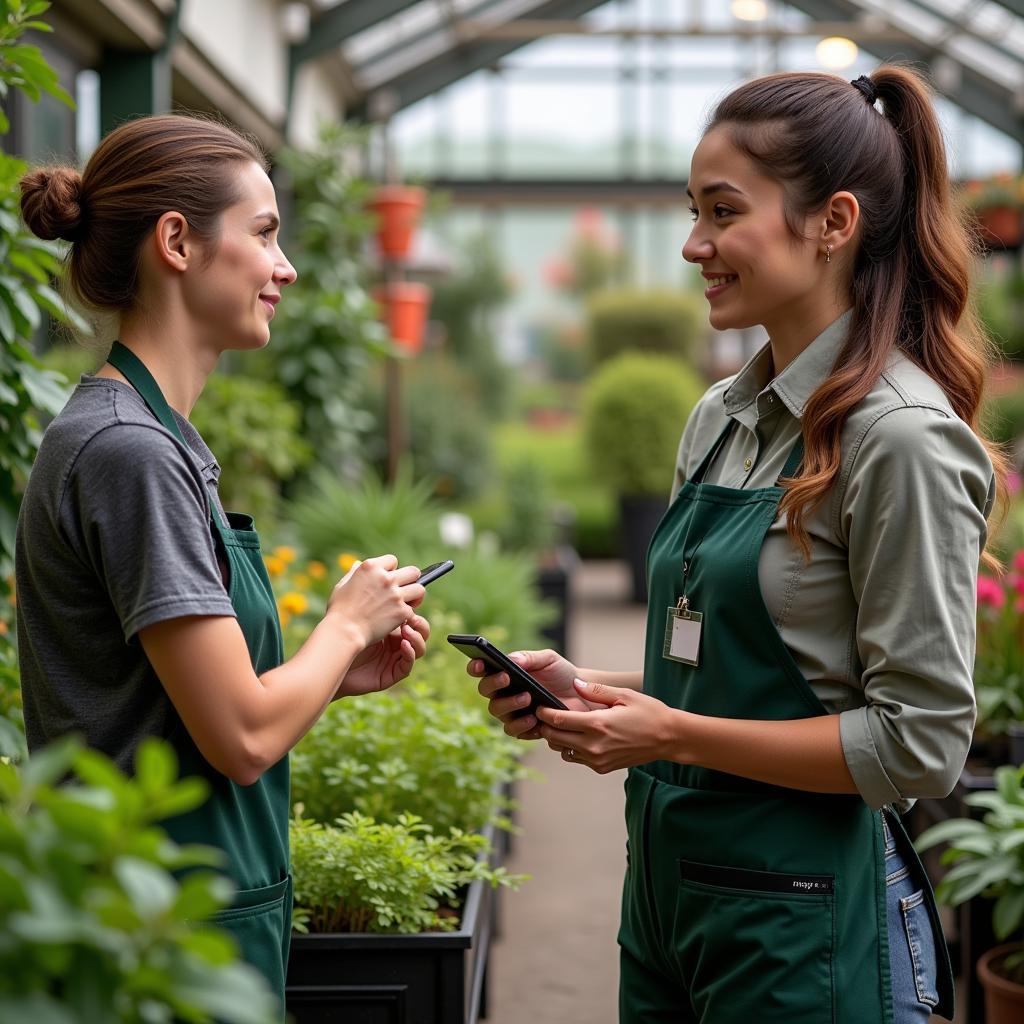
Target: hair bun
[(51, 202)]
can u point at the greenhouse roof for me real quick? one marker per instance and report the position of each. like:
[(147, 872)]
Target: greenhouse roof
[(401, 51)]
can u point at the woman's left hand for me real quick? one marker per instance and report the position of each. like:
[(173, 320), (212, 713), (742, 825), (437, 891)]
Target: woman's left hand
[(632, 728), (388, 661)]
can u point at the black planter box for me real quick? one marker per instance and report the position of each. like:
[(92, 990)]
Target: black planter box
[(638, 519), (430, 978)]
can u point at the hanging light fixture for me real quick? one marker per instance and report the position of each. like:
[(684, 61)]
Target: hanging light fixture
[(837, 52)]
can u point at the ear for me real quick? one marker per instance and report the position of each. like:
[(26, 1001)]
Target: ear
[(839, 221), (173, 243)]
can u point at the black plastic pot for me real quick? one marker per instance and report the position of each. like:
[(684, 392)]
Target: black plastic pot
[(554, 584), (638, 518), (1015, 735)]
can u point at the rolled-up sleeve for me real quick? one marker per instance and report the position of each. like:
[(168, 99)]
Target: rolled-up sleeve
[(913, 516)]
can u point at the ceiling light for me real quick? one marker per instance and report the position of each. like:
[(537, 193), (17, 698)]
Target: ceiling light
[(749, 10), (837, 52)]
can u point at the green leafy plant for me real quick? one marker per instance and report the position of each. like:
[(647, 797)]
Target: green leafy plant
[(253, 429), (96, 927), (987, 858), (595, 258), (634, 411), (27, 265), (366, 876), (326, 330), (404, 753), (632, 320), (999, 662)]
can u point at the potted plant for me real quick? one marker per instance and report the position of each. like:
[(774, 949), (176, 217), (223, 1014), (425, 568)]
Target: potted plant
[(987, 860), (398, 209), (635, 408), (996, 203)]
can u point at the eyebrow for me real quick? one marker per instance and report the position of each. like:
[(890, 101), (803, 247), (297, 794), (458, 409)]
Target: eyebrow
[(716, 186), (275, 221)]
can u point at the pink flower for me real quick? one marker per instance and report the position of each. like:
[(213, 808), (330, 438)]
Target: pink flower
[(990, 592), (1013, 483), (1018, 561), (1017, 582)]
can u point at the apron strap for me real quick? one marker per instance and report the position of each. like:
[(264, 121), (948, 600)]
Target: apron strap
[(134, 370)]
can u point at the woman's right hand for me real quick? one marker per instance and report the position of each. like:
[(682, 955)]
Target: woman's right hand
[(547, 667), (376, 596)]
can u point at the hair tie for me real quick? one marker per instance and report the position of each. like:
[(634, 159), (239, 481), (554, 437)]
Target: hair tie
[(866, 88)]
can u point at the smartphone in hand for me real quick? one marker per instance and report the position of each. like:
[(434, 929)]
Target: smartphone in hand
[(435, 571), (520, 681)]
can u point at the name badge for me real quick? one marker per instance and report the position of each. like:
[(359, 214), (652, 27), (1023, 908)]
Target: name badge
[(682, 634)]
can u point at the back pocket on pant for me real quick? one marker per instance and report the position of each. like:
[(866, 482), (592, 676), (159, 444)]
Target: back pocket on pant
[(756, 945)]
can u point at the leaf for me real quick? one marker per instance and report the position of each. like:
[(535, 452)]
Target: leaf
[(37, 1008), (949, 832), (151, 890), (1008, 913), (48, 765), (156, 765)]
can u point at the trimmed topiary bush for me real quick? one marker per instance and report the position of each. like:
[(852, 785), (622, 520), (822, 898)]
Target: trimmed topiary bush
[(629, 320)]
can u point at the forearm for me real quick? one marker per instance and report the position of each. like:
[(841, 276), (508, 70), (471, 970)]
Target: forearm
[(805, 753)]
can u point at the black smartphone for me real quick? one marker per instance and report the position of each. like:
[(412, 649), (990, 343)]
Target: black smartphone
[(520, 681), (435, 571)]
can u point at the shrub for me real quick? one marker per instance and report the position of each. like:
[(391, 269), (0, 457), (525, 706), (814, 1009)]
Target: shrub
[(253, 429), (95, 926), (635, 408), (628, 320)]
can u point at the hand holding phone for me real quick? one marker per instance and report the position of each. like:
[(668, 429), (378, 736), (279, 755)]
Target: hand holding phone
[(435, 571), (520, 681)]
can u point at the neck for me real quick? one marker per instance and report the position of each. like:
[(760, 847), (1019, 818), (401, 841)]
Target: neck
[(797, 329), (178, 363)]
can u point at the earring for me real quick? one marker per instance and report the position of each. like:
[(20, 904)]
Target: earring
[(828, 253)]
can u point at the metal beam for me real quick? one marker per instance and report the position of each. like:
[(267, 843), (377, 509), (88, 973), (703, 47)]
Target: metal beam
[(562, 191), (331, 28), (1017, 6), (977, 94), (462, 59)]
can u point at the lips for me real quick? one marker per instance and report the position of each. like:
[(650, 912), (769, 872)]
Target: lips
[(269, 302), (717, 283)]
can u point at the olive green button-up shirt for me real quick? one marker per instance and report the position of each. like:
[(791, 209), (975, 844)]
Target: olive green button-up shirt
[(881, 620)]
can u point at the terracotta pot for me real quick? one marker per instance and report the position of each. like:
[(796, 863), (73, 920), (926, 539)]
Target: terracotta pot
[(404, 306), (1004, 999), (398, 209), (1000, 225)]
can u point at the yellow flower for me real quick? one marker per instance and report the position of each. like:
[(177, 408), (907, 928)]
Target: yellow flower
[(286, 554), (275, 566), (346, 561), (284, 616), (294, 603), (317, 570), (301, 581)]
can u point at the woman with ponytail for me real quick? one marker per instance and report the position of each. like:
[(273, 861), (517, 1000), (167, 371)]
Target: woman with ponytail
[(811, 622), (144, 608)]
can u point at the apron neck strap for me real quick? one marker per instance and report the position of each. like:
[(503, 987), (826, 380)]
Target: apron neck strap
[(796, 455), (135, 372)]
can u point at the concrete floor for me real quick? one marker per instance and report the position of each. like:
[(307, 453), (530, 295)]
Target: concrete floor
[(556, 961)]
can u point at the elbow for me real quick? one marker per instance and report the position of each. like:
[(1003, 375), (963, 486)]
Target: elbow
[(243, 763)]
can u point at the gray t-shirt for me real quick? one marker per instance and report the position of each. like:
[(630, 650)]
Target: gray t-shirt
[(114, 535)]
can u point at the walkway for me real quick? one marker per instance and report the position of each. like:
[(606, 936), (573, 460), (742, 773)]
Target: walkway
[(556, 961)]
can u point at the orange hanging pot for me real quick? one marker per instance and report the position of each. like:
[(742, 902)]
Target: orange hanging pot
[(404, 306), (398, 209), (1000, 225)]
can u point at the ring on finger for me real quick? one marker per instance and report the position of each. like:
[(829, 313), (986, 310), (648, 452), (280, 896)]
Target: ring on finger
[(570, 754)]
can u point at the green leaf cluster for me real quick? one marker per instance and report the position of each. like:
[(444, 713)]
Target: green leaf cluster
[(253, 427), (367, 876), (405, 753), (326, 330), (635, 408), (988, 856), (27, 266), (95, 927)]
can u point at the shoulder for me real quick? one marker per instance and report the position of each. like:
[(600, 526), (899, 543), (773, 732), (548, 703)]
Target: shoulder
[(708, 418)]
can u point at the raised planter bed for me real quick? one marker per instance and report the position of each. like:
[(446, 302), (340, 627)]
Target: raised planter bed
[(430, 978)]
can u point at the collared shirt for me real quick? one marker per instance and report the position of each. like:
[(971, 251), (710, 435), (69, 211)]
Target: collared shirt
[(881, 620)]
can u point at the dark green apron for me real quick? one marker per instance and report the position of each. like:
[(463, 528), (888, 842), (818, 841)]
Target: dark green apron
[(744, 902), (249, 823)]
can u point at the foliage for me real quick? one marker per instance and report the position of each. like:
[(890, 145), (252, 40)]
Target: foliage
[(446, 434), (988, 857), (635, 408), (988, 193), (999, 662), (96, 927), (465, 303), (1001, 308), (12, 721), (629, 320), (383, 877), (253, 429), (405, 753), (26, 267), (1004, 416), (595, 258), (528, 523), (326, 329), (334, 515)]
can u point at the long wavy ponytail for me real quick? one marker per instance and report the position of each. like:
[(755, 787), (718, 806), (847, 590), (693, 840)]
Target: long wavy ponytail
[(818, 135)]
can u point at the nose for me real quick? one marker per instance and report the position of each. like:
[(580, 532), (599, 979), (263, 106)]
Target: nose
[(698, 246), (284, 272)]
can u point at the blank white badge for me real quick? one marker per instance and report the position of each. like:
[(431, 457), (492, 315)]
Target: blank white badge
[(682, 636)]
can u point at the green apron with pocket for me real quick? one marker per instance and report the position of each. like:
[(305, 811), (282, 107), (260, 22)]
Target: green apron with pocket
[(744, 901), (249, 823)]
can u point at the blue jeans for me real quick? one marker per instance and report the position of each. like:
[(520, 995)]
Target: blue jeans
[(912, 959)]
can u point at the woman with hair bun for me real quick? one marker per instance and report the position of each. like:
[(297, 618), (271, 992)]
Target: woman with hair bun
[(811, 619), (144, 609)]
